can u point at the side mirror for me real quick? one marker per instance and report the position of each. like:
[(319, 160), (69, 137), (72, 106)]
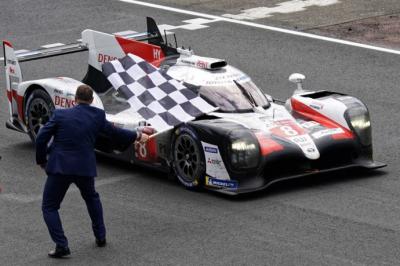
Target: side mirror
[(297, 78)]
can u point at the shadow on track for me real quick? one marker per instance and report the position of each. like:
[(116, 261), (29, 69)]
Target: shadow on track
[(140, 171), (24, 146), (287, 186), (309, 182)]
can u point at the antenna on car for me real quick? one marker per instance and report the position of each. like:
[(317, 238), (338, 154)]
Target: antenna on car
[(165, 36), (176, 43)]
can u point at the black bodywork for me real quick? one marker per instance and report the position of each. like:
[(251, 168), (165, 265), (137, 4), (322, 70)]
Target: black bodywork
[(285, 164)]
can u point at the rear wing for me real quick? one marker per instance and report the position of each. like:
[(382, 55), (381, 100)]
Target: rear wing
[(152, 35), (102, 47)]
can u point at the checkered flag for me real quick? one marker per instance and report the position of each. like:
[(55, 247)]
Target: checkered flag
[(161, 100)]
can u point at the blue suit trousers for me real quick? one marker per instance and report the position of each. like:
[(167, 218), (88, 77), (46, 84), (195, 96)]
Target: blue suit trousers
[(54, 191)]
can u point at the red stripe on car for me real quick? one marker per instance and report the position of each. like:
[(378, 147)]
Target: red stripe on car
[(267, 145), (20, 103), (312, 114), (149, 52)]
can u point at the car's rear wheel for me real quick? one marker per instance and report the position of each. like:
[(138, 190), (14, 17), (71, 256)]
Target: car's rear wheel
[(188, 159), (39, 108)]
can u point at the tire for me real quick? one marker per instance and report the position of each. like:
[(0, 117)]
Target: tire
[(188, 159), (38, 110)]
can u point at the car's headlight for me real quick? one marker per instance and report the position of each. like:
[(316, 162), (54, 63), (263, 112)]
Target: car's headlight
[(360, 123), (243, 150)]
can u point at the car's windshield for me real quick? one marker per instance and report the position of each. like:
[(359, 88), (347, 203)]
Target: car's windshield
[(234, 96)]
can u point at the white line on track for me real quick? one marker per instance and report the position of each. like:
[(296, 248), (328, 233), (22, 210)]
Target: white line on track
[(22, 198), (286, 7), (261, 26)]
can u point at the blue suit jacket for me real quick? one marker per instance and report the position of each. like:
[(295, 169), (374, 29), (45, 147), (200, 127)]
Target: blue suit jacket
[(74, 133)]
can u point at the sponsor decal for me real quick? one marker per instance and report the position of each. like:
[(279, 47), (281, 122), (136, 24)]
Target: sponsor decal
[(230, 76), (327, 132), (201, 64), (214, 164), (12, 70), (214, 182), (302, 141), (214, 161), (316, 105), (187, 62), (210, 149), (156, 53), (63, 102), (146, 151), (58, 91), (310, 150), (226, 79), (102, 58), (309, 124), (307, 145)]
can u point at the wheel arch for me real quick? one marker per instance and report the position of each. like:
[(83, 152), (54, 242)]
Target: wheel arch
[(193, 133), (30, 89)]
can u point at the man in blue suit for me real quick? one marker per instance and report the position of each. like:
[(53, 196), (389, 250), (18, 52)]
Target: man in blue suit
[(71, 159)]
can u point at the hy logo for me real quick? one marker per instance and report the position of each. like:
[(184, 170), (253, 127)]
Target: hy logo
[(156, 53)]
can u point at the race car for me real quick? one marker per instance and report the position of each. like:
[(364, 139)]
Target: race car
[(247, 142)]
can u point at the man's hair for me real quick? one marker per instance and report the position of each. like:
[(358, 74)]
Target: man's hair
[(84, 93)]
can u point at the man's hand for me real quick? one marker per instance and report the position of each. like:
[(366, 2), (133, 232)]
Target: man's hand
[(144, 134)]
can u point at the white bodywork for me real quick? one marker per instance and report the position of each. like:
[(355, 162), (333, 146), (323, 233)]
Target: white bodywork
[(61, 90), (277, 116), (102, 47)]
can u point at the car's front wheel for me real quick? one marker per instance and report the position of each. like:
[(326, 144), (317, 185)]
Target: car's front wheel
[(188, 158), (39, 108)]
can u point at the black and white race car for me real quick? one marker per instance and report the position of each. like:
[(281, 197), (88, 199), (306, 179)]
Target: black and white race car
[(245, 143)]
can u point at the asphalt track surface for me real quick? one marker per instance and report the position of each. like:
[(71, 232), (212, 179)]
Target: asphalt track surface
[(345, 218)]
